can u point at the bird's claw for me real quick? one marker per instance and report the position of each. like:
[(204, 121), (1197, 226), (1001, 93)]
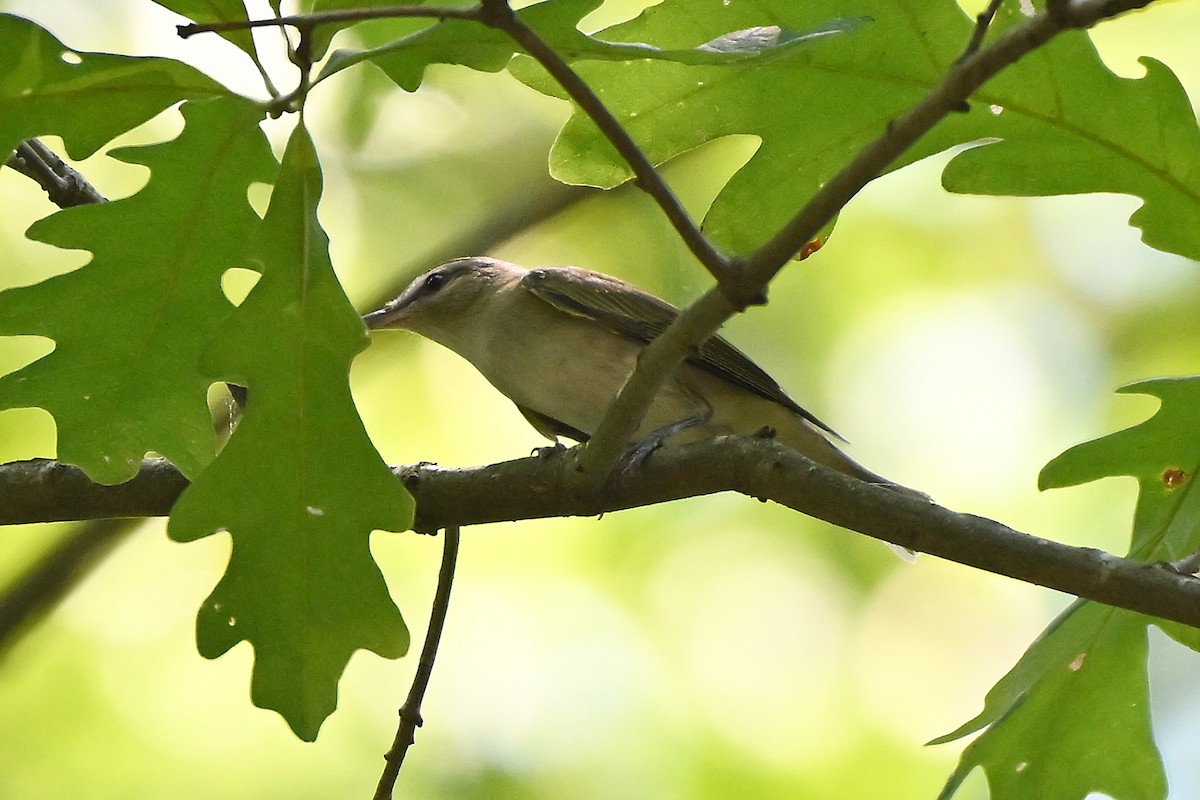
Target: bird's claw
[(640, 452), (637, 455), (549, 451)]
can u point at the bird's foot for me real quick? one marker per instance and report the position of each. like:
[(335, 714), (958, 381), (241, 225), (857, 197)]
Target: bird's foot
[(549, 451), (641, 452)]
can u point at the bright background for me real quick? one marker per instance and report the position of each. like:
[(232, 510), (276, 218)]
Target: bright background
[(711, 648)]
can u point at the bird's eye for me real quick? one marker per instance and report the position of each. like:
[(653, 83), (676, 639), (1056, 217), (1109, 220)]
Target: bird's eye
[(435, 281)]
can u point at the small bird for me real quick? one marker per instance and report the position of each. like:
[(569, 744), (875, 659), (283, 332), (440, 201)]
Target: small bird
[(560, 342)]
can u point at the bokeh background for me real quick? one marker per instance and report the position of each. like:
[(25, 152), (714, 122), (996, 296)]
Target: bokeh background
[(711, 648)]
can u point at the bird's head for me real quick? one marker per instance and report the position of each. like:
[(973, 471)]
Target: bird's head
[(445, 297)]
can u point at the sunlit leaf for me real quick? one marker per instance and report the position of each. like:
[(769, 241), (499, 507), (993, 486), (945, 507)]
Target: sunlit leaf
[(1163, 454), (1058, 122), (299, 486), (1072, 718), (472, 44), (86, 98), (124, 377)]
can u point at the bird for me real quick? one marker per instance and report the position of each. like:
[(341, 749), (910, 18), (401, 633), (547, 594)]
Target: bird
[(560, 342)]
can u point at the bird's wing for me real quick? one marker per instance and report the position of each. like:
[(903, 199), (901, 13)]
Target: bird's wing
[(629, 311)]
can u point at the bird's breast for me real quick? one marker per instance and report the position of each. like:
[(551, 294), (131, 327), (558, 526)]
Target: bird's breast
[(563, 367)]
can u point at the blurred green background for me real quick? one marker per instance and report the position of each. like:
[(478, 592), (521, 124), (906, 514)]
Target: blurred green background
[(711, 648)]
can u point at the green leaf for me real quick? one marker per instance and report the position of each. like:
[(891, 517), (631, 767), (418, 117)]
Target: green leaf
[(1064, 122), (299, 486), (1072, 717), (472, 44), (86, 98), (124, 376), (1084, 681), (209, 11), (1080, 128), (812, 107), (464, 42), (1163, 454)]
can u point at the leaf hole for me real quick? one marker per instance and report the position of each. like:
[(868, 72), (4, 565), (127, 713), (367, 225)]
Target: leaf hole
[(259, 197), (236, 283), (71, 57)]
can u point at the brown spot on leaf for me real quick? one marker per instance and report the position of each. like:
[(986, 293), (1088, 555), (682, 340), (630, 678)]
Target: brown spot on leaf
[(1173, 477)]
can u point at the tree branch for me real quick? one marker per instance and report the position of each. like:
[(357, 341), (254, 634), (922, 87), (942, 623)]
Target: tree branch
[(499, 15), (64, 186), (42, 490), (552, 486), (410, 712), (963, 78), (655, 365)]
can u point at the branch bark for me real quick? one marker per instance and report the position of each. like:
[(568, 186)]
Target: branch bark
[(745, 284), (63, 185), (553, 486)]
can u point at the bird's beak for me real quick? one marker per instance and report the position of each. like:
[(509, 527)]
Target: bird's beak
[(390, 316)]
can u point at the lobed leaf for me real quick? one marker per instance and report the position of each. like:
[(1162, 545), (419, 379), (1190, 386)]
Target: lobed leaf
[(1163, 455), (86, 98), (1083, 684), (1072, 718), (472, 44), (298, 486), (124, 376), (1057, 122)]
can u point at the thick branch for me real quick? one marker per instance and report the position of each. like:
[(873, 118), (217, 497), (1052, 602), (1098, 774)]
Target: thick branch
[(553, 487), (42, 490), (745, 287)]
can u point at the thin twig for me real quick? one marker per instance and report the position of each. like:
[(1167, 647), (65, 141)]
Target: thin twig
[(982, 22), (498, 14), (308, 21), (410, 712), (1188, 565)]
